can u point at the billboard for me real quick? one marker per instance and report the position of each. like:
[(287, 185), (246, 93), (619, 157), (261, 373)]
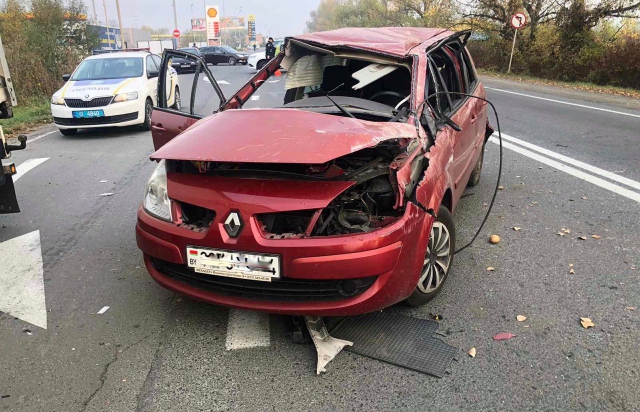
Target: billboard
[(251, 27), (109, 37), (212, 19), (232, 23), (198, 24)]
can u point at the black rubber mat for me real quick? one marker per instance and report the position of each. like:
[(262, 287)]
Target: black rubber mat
[(397, 339)]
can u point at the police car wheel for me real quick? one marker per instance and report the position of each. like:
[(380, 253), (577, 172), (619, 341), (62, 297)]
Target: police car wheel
[(68, 132), (177, 103), (148, 108)]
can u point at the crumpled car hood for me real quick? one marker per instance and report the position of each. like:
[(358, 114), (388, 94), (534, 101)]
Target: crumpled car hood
[(278, 136)]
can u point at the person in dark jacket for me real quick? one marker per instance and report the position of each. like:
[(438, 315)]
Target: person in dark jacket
[(271, 49)]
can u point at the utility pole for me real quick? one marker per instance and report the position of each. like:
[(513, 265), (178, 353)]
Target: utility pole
[(106, 22), (120, 24), (175, 15), (95, 15)]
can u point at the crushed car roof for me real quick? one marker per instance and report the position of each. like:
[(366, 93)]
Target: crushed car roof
[(397, 41)]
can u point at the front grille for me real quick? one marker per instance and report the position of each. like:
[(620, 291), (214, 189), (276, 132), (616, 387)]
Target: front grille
[(283, 290), (66, 121), (97, 102), (285, 224)]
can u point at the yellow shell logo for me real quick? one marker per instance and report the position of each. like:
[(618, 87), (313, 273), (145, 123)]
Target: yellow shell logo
[(212, 12)]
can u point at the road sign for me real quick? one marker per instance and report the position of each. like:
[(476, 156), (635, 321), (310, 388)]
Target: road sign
[(518, 20), (176, 33)]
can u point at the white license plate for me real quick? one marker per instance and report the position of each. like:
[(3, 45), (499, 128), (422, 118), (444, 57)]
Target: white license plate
[(242, 265)]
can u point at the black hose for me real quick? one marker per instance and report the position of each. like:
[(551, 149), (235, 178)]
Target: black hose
[(495, 192)]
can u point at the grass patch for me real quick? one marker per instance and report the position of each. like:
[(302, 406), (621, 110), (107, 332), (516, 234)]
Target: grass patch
[(590, 87), (28, 115)]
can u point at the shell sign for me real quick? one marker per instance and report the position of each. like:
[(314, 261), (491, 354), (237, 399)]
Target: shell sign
[(212, 12)]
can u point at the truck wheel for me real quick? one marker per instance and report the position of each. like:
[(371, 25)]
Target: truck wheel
[(437, 261), (68, 132)]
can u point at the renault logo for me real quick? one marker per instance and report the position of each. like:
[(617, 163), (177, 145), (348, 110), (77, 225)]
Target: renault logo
[(233, 224)]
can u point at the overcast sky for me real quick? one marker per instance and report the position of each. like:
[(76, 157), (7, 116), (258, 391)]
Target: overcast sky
[(277, 18)]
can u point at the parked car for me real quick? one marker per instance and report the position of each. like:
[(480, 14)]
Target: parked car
[(259, 59), (324, 206), (223, 54), (182, 65), (115, 89)]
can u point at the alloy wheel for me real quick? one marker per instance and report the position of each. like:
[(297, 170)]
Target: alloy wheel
[(437, 260), (232, 61)]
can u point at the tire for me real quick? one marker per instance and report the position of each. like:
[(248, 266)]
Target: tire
[(177, 103), (436, 267), (261, 64), (474, 179), (148, 108), (232, 61), (245, 63), (68, 132)]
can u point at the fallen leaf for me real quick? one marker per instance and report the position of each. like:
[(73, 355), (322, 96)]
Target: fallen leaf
[(472, 352), (437, 318), (565, 230), (561, 234), (587, 323), (491, 269), (516, 228), (534, 203), (631, 308), (500, 187), (582, 238), (504, 336), (585, 198), (572, 272), (596, 236), (494, 239), (521, 318), (570, 265)]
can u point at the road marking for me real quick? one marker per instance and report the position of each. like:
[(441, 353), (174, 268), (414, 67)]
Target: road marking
[(596, 170), (36, 138), (223, 82), (26, 166), (570, 170), (247, 329), (255, 97), (562, 102), (21, 279)]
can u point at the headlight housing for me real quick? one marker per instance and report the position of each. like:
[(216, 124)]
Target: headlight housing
[(58, 100), (156, 199), (124, 97)]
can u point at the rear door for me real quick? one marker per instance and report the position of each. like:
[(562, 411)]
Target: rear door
[(219, 56), (207, 54), (200, 94)]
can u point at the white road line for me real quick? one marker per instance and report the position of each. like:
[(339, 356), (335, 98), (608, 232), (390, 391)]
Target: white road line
[(223, 82), (36, 138), (255, 97), (26, 166), (567, 103), (595, 170), (247, 329), (570, 170)]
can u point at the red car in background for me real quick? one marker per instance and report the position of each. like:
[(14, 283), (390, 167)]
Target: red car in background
[(339, 202)]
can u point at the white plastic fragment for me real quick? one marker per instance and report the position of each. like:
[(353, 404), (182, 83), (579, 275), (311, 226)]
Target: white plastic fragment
[(106, 194), (103, 310)]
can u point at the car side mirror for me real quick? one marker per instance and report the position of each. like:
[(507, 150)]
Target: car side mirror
[(151, 75), (66, 77)]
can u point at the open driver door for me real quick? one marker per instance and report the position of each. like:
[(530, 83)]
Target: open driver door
[(200, 95)]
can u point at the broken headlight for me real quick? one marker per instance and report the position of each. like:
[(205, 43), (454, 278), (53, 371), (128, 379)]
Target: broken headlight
[(57, 100), (156, 199)]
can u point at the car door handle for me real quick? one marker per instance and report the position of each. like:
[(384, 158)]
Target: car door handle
[(474, 118), (158, 128)]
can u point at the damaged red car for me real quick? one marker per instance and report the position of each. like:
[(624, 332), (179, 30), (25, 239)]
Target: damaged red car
[(338, 202)]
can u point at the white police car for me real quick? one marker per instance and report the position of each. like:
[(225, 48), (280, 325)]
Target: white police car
[(114, 89)]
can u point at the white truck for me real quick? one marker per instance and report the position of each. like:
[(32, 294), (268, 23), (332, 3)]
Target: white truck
[(8, 199)]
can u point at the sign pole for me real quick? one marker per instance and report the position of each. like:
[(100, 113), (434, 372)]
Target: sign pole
[(513, 46)]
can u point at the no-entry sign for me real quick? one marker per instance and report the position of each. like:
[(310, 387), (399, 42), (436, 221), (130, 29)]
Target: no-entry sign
[(176, 33), (518, 20)]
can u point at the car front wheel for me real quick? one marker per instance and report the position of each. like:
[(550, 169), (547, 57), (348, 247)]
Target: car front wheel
[(261, 64), (148, 108), (177, 103), (437, 261), (232, 61)]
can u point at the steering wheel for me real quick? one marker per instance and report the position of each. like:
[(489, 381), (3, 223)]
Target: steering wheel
[(387, 93)]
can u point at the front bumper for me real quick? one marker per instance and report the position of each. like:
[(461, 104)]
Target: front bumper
[(386, 262), (115, 114)]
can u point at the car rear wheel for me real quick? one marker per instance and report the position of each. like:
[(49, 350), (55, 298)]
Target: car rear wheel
[(437, 261), (68, 132), (148, 108), (261, 64), (474, 179), (232, 61), (245, 63), (177, 103)]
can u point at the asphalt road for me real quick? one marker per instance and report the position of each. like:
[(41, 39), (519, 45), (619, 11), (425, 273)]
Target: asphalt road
[(154, 351)]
